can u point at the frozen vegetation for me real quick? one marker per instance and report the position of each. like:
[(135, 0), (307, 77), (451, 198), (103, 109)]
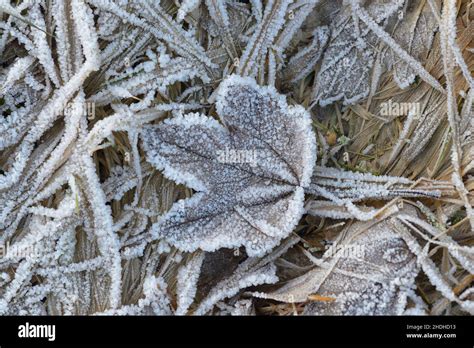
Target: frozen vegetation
[(224, 157)]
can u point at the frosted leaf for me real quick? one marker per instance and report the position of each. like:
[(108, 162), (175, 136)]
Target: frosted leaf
[(249, 173), (376, 29), (346, 67), (365, 272), (415, 34), (303, 62)]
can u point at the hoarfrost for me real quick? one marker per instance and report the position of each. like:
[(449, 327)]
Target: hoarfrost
[(258, 202)]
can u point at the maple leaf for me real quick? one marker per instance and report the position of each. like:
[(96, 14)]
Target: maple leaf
[(253, 200)]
